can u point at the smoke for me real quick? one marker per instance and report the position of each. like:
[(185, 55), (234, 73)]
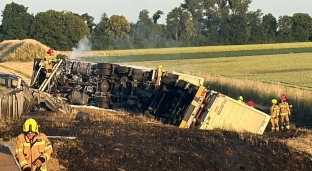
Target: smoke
[(83, 49)]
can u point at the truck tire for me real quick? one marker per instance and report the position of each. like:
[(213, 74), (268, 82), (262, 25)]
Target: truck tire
[(102, 99), (104, 66), (82, 116), (181, 84), (103, 105), (166, 79), (137, 71), (123, 70), (103, 72), (174, 76)]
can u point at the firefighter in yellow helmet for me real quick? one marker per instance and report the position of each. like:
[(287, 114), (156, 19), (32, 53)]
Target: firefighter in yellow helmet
[(33, 149), (274, 112), (240, 99), (48, 62), (285, 113)]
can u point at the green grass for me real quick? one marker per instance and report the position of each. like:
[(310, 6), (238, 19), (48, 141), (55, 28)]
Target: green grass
[(199, 55), (201, 49)]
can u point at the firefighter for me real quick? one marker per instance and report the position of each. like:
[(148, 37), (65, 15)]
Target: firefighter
[(33, 149), (289, 103), (274, 112), (240, 99), (251, 104), (48, 62), (284, 113)]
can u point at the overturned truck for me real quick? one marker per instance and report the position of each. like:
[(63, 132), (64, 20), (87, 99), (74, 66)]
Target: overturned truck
[(174, 98)]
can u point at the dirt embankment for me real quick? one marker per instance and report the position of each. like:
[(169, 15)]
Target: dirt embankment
[(121, 142)]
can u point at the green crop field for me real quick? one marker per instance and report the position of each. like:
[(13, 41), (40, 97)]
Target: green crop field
[(203, 49), (196, 55), (290, 69)]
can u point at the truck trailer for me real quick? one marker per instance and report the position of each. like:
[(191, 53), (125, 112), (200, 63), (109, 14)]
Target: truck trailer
[(174, 98)]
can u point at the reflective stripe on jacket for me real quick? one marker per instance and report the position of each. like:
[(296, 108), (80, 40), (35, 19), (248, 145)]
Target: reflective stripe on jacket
[(284, 107), (27, 151), (274, 110), (49, 58)]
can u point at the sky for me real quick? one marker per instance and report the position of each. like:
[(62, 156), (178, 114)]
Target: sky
[(131, 8)]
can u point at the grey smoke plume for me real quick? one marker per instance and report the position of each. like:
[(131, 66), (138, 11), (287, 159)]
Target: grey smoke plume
[(83, 49)]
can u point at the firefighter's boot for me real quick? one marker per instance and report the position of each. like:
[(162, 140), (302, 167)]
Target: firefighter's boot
[(277, 127), (273, 129), (287, 125)]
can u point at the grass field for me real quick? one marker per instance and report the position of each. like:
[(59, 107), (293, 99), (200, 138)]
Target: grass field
[(195, 55), (202, 49)]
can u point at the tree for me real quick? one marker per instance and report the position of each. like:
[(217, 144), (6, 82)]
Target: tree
[(144, 35), (1, 33), (256, 30), (60, 30), (16, 21), (75, 28), (179, 25), (99, 39), (270, 26), (285, 30), (47, 28), (118, 27), (89, 20), (195, 7), (302, 27), (156, 16), (239, 7), (238, 30)]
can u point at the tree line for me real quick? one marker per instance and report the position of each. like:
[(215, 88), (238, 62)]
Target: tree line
[(192, 23)]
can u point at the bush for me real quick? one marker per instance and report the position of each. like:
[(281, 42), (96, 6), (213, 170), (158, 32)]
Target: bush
[(61, 56)]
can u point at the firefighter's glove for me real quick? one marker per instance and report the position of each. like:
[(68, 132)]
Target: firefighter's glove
[(39, 161), (27, 168)]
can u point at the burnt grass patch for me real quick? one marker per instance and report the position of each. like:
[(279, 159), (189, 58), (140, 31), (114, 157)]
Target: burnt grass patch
[(107, 145)]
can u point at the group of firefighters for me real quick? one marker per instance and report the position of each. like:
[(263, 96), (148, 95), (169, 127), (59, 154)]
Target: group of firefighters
[(279, 112)]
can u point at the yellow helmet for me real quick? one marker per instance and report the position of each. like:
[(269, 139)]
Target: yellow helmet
[(30, 126), (240, 98), (274, 101)]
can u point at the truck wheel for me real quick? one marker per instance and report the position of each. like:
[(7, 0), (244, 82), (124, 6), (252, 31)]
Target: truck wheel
[(137, 72), (181, 84), (166, 79), (137, 77), (102, 99), (104, 66), (122, 70), (103, 72), (103, 105), (81, 116), (174, 76)]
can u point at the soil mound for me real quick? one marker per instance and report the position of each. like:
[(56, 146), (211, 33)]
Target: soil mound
[(21, 50), (114, 141)]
